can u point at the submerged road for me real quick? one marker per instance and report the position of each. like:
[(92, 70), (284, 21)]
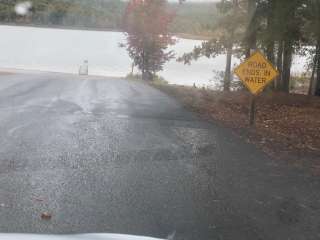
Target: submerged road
[(117, 156)]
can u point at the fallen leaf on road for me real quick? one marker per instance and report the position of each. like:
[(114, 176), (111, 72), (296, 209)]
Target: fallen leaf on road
[(46, 216), (38, 199)]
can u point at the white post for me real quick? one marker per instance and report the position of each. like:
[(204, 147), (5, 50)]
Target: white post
[(84, 68)]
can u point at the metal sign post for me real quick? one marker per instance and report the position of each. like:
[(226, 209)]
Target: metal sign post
[(252, 110)]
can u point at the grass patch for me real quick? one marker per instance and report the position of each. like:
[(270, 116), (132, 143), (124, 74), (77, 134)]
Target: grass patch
[(157, 80)]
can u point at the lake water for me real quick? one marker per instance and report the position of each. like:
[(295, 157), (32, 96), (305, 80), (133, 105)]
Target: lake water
[(60, 50)]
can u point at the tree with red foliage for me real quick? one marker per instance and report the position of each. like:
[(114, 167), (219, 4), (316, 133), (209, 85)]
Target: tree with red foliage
[(146, 24)]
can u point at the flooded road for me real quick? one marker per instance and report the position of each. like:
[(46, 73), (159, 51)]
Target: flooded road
[(110, 155)]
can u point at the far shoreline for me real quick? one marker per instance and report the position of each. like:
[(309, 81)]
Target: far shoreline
[(61, 27), (97, 29)]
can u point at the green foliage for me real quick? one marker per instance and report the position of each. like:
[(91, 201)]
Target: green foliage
[(194, 18), (280, 28), (158, 80), (132, 76), (299, 82), (74, 13), (227, 31)]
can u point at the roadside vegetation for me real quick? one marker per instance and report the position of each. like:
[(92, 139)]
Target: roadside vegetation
[(194, 20), (146, 24), (278, 28)]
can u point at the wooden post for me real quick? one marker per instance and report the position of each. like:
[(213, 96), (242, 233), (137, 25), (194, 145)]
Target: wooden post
[(252, 110)]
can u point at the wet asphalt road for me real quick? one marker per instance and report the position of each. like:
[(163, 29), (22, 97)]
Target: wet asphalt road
[(111, 155)]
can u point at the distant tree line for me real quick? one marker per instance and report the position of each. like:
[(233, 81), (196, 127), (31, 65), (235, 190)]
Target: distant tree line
[(76, 13), (279, 28), (194, 18), (190, 18)]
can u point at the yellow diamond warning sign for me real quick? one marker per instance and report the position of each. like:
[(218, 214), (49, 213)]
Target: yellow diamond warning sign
[(256, 72)]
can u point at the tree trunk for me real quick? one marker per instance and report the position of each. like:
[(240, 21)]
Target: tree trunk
[(143, 64), (271, 58), (270, 52), (278, 81), (251, 34), (312, 86), (270, 26), (287, 62), (227, 76), (317, 90), (271, 42)]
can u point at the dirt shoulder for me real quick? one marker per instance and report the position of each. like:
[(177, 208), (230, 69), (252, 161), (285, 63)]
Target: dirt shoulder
[(5, 73), (287, 125)]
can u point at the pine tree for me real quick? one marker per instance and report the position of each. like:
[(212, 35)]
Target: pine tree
[(228, 33)]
